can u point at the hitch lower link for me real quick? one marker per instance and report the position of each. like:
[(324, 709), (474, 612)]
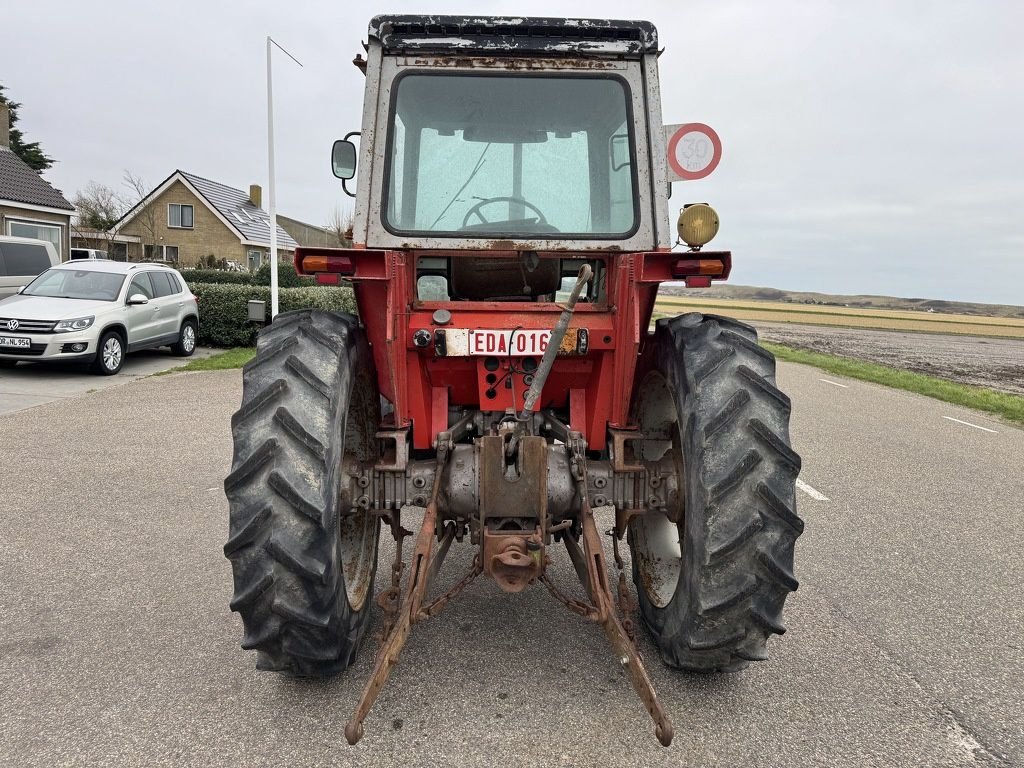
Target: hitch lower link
[(514, 561)]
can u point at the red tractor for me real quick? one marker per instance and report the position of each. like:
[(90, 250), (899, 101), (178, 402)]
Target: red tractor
[(502, 379)]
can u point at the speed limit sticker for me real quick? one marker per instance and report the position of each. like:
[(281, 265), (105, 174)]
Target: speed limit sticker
[(694, 150)]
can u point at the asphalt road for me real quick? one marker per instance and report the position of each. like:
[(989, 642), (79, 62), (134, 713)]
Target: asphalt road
[(117, 647)]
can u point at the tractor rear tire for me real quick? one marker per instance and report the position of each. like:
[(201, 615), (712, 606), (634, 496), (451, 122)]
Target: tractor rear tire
[(303, 567), (711, 588)]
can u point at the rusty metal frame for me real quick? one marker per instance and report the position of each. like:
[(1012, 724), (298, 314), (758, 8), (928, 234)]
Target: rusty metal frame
[(409, 611)]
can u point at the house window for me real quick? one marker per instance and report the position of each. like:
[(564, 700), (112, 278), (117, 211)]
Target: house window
[(255, 260), (161, 253), (36, 231), (180, 216)]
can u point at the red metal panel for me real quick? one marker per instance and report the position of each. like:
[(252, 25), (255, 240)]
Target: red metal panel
[(595, 387), (438, 409), (578, 409)]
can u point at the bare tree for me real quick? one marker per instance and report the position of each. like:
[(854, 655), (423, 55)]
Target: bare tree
[(147, 215), (97, 209), (339, 224)]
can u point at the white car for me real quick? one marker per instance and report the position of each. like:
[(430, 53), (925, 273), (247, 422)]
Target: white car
[(80, 254), (98, 311)]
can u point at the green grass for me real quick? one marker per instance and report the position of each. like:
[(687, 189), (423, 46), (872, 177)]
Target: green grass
[(1002, 404), (223, 361)]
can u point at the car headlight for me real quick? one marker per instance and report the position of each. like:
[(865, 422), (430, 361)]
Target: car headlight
[(78, 324)]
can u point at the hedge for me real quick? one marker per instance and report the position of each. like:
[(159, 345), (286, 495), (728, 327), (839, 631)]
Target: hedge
[(210, 276), (224, 309), (286, 276)]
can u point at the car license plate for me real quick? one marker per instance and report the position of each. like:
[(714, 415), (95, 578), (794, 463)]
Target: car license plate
[(518, 343), (8, 341)]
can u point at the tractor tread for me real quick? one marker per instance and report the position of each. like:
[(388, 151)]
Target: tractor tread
[(300, 369), (739, 475), (719, 547), (711, 642), (283, 608), (729, 412), (727, 596), (765, 386), (264, 634), (786, 454), (270, 395), (252, 464), (735, 476), (287, 491), (780, 509), (285, 553), (252, 591), (253, 523), (303, 436), (782, 574)]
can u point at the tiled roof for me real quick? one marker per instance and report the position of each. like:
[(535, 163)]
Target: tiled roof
[(21, 184), (235, 206)]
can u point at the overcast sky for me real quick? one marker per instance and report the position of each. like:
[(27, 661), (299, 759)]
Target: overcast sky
[(869, 147)]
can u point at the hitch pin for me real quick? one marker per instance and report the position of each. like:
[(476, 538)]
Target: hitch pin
[(554, 343)]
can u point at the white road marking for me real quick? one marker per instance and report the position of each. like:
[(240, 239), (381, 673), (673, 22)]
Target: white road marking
[(814, 494), (968, 424), (835, 383)]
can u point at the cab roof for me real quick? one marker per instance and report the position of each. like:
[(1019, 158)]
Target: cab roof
[(519, 35)]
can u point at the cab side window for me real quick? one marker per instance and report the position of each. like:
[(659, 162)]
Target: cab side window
[(161, 284), (141, 284)]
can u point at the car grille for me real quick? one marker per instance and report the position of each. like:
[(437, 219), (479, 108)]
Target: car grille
[(27, 326)]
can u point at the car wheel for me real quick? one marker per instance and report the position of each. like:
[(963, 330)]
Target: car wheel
[(186, 343), (109, 355)]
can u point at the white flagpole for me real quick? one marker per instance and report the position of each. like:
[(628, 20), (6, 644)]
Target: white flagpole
[(271, 201), (271, 197)]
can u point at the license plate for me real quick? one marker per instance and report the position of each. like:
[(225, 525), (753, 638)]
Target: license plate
[(520, 343), (8, 341)]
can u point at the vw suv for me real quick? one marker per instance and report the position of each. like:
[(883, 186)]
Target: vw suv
[(98, 311)]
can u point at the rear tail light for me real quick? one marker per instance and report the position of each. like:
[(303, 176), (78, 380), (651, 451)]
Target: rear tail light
[(339, 265), (698, 267)]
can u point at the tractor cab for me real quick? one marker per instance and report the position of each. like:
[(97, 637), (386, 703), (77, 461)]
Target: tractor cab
[(526, 135)]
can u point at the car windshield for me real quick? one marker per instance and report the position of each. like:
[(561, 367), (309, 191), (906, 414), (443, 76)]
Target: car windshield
[(76, 284), (513, 155)]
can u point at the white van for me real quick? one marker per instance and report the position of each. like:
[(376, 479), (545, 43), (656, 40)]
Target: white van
[(86, 253), (21, 260)]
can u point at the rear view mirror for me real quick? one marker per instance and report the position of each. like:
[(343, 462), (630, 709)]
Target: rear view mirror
[(343, 159), (137, 298)]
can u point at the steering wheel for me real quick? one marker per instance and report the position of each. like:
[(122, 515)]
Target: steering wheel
[(475, 210)]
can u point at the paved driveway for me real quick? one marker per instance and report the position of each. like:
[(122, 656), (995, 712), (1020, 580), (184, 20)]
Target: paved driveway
[(29, 384)]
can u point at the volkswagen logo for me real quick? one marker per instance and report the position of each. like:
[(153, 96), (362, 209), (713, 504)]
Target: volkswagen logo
[(12, 325)]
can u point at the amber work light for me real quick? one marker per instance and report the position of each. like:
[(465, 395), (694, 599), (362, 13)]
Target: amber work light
[(698, 224)]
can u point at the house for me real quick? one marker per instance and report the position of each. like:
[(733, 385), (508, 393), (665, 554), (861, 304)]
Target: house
[(187, 219), (308, 235), (29, 206)]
